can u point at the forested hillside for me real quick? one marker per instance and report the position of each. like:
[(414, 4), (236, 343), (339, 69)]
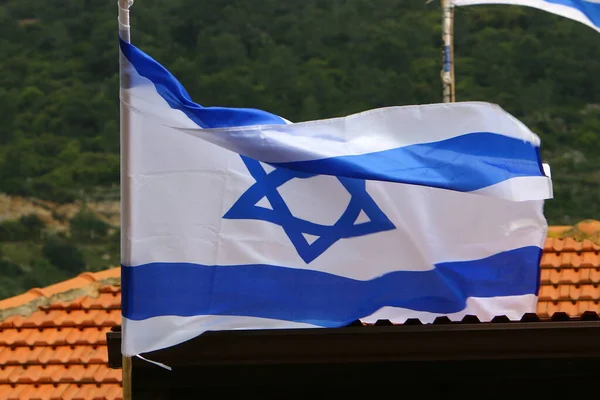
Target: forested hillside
[(302, 59)]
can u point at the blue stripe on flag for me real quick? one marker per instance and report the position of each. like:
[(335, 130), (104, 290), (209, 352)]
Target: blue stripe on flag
[(463, 163), (591, 10), (316, 297), (178, 98)]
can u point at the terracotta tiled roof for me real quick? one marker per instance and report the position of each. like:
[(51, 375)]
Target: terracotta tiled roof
[(53, 340), (570, 275)]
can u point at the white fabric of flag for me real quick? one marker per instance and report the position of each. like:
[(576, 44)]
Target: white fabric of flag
[(585, 11), (240, 219)]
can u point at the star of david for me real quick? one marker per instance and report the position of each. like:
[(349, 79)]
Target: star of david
[(346, 226)]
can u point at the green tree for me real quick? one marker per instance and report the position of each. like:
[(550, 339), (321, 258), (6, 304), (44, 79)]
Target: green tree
[(12, 231), (63, 254), (43, 273), (33, 225), (86, 227)]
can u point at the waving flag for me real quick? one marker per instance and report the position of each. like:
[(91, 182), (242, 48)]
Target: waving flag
[(585, 11), (239, 219)]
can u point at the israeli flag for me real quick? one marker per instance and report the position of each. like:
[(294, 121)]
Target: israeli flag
[(585, 11), (239, 219)]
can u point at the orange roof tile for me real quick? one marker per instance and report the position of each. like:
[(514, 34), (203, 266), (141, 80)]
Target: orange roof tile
[(570, 276), (53, 340)]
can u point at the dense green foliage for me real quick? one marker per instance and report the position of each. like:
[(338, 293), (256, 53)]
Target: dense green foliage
[(302, 59), (32, 255)]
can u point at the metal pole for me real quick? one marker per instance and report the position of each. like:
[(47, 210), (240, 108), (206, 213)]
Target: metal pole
[(448, 51), (125, 35)]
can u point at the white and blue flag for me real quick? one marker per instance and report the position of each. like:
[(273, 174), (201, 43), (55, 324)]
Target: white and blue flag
[(585, 11), (240, 219)]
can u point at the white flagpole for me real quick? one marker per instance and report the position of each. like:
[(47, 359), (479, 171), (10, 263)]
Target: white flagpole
[(125, 35), (448, 51)]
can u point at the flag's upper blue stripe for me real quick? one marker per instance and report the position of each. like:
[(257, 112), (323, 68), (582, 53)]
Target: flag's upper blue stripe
[(320, 298), (178, 98), (465, 163), (591, 10)]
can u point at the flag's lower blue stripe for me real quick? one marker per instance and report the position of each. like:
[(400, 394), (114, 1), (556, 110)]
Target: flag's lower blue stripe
[(463, 163), (185, 289)]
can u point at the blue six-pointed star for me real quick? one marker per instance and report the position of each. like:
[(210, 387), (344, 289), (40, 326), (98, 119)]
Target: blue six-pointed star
[(346, 226)]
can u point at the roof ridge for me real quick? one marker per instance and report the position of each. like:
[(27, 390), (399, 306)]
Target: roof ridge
[(85, 284)]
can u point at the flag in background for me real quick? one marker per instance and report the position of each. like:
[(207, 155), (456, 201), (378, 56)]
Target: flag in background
[(585, 11), (239, 219)]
